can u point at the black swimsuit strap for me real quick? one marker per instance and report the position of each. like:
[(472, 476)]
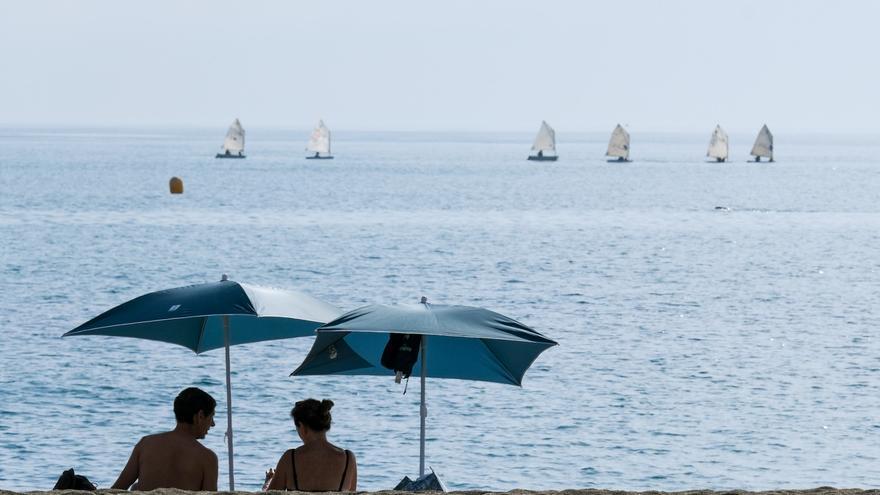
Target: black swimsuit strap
[(344, 470), (293, 465)]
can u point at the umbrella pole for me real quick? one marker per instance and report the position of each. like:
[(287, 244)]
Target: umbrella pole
[(228, 403), (423, 411)]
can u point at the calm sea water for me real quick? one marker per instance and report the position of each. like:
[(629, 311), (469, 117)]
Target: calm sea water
[(698, 347)]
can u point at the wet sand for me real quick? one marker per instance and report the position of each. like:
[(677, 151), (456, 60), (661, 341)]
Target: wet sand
[(812, 491)]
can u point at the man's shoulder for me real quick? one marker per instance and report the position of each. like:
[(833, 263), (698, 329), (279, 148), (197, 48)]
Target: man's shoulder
[(205, 453), (161, 441), (156, 436), (147, 440)]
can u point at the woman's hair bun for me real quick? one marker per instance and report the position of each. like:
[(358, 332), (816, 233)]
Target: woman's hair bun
[(313, 413)]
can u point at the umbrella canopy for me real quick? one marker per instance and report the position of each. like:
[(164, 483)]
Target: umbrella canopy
[(456, 342), (192, 316), (214, 315), (466, 342)]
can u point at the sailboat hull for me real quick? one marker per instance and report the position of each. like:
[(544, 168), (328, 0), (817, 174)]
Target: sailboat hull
[(319, 158), (620, 160), (535, 158), (223, 155)]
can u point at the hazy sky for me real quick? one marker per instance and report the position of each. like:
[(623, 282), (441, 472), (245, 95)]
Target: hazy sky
[(443, 65)]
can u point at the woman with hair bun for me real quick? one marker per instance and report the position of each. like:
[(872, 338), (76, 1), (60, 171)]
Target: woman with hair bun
[(317, 465)]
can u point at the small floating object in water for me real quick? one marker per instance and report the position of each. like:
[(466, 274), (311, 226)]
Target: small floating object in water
[(722, 208), (176, 185)]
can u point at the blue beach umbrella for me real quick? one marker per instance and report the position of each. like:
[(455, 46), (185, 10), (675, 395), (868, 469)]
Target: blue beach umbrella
[(214, 315), (461, 342)]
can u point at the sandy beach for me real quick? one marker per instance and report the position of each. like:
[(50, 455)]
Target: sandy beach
[(825, 490)]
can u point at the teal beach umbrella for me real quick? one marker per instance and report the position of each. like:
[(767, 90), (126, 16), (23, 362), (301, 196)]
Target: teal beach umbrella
[(455, 342), (212, 316)]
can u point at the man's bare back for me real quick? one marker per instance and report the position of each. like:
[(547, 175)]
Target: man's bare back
[(174, 459)]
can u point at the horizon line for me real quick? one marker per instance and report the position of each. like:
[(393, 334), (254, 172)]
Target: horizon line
[(6, 126)]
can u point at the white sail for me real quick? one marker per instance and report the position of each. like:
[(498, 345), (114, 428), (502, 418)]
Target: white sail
[(763, 143), (546, 139), (718, 144), (319, 141), (234, 142), (619, 144)]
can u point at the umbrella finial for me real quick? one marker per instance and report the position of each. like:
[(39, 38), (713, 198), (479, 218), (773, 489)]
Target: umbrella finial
[(424, 300), (224, 278)]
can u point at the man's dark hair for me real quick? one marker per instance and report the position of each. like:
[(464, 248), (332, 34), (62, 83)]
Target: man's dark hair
[(190, 401)]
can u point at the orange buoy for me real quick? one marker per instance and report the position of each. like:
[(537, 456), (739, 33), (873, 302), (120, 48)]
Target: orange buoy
[(176, 185)]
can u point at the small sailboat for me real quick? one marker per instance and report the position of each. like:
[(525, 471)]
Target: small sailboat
[(545, 142), (618, 146), (319, 143), (718, 145), (763, 145), (233, 144)]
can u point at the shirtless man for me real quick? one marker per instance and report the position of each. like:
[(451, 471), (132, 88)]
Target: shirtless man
[(175, 459)]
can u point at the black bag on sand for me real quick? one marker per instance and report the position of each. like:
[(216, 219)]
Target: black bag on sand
[(72, 481), (427, 483), (401, 353)]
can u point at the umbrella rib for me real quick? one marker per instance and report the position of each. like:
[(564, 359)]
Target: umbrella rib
[(77, 331), (201, 335)]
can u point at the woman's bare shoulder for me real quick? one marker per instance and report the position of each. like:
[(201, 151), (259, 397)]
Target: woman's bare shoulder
[(338, 450)]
